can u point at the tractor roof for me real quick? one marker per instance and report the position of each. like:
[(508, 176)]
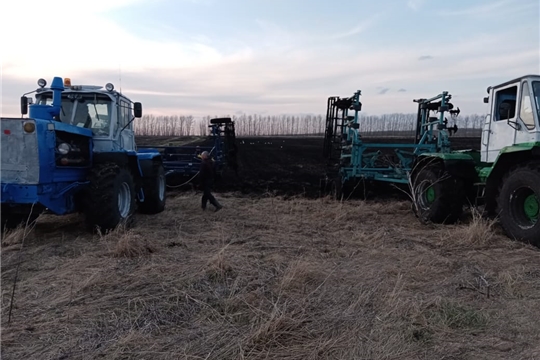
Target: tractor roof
[(68, 88), (529, 76)]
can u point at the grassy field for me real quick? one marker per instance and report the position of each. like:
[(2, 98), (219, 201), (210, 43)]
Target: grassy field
[(268, 278)]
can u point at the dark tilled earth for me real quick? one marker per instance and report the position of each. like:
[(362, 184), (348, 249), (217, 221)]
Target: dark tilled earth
[(283, 165)]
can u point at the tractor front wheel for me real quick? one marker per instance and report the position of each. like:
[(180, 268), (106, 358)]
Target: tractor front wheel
[(519, 204), (110, 200), (438, 196)]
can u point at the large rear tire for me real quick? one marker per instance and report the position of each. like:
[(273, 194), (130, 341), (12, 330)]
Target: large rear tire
[(110, 200), (439, 196), (519, 203), (154, 192)]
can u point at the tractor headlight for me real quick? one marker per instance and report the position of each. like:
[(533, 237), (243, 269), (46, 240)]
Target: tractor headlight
[(109, 87), (29, 126), (64, 148), (41, 83)]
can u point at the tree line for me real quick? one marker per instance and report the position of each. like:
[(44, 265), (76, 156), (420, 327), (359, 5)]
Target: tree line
[(272, 125)]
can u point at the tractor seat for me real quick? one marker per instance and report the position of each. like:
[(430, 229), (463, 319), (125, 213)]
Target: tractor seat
[(507, 109)]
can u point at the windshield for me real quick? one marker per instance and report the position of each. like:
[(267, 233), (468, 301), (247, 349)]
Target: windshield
[(536, 91), (92, 111)]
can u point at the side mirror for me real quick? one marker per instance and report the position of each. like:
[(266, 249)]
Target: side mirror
[(486, 100), (137, 109), (24, 105)]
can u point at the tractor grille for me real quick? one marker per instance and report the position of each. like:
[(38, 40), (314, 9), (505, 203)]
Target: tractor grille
[(20, 156)]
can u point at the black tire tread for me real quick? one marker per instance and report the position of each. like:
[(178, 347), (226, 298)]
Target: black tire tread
[(451, 197), (533, 166), (152, 204), (101, 207)]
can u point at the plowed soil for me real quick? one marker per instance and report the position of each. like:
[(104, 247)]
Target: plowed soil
[(283, 165)]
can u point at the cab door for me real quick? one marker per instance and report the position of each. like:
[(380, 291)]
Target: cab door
[(127, 136), (500, 127), (526, 116)]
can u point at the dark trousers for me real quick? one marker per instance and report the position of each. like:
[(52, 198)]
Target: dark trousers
[(207, 196)]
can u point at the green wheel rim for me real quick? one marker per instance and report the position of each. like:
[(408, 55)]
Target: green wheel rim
[(430, 194), (531, 207)]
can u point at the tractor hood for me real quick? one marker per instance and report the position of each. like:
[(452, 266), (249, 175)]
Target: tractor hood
[(27, 143)]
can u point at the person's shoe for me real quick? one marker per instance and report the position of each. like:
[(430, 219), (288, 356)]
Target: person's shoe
[(219, 207)]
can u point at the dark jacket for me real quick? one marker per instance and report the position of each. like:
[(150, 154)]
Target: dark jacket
[(206, 172)]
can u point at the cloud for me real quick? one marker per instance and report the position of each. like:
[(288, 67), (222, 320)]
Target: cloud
[(425, 57), (272, 68), (503, 8), (415, 4), (87, 42), (359, 28)]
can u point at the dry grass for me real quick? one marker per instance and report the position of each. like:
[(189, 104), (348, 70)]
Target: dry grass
[(479, 230), (126, 243), (269, 278)]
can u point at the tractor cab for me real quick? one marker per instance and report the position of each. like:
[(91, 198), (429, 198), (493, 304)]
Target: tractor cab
[(106, 112), (513, 117)]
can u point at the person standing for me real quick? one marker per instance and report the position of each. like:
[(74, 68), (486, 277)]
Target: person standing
[(207, 175)]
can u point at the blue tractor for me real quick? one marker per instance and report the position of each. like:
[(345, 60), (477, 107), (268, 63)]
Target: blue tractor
[(76, 152)]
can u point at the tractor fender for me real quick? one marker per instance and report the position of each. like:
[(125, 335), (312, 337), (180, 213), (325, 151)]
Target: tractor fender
[(511, 156), (460, 165), (147, 165), (508, 159), (140, 164), (146, 159), (143, 162)]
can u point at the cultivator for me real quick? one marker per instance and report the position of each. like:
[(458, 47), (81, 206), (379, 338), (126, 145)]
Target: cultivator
[(504, 177), (350, 159), (182, 162)]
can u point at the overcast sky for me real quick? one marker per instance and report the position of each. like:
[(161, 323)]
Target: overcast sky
[(226, 57)]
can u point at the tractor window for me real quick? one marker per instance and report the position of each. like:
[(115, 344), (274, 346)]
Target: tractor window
[(92, 111), (536, 91), (66, 109), (506, 103), (526, 110), (125, 113)]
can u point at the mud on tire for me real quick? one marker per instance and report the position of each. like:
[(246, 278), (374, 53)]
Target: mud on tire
[(519, 202), (110, 199), (154, 188), (439, 196)]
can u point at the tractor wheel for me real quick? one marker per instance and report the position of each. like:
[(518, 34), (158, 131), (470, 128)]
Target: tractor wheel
[(519, 203), (110, 200), (154, 192), (438, 196)]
